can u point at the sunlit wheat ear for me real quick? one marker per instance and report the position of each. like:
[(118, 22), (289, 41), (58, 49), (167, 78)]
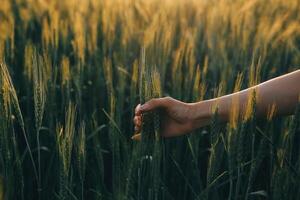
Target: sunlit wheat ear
[(249, 107), (255, 70), (134, 77), (28, 65), (156, 88), (79, 42), (5, 95), (1, 50), (11, 102), (108, 74), (254, 78), (235, 108), (54, 27), (46, 34), (142, 81), (65, 71), (156, 85), (39, 93), (39, 99), (271, 112), (93, 32), (66, 139), (7, 27), (196, 86), (47, 68), (10, 95), (65, 135)]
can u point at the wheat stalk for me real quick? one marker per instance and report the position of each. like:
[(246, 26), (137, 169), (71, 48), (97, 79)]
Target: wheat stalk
[(10, 98), (39, 97), (65, 140)]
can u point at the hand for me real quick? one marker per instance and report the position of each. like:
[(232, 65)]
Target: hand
[(177, 118)]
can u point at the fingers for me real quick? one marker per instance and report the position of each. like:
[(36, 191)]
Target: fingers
[(148, 106), (154, 104), (136, 137), (137, 120), (138, 110)]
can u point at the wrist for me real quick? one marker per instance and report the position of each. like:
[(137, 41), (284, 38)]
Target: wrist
[(201, 113)]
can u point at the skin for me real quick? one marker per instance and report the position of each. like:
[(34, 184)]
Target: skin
[(179, 118)]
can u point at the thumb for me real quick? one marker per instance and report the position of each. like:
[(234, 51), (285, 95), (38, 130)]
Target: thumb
[(154, 104)]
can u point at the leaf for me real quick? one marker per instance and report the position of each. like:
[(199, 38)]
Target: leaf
[(260, 193)]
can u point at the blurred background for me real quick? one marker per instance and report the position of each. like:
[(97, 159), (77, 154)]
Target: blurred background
[(69, 81)]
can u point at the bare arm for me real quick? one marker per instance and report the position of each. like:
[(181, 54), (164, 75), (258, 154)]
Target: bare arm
[(179, 118), (282, 92)]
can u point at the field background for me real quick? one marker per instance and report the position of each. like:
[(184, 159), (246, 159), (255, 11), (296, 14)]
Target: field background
[(69, 82)]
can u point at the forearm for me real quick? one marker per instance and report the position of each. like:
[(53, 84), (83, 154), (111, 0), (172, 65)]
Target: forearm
[(281, 92)]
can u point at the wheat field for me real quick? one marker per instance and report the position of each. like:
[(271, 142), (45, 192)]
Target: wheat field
[(72, 72)]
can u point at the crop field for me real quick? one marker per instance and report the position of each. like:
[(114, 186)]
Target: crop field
[(73, 71)]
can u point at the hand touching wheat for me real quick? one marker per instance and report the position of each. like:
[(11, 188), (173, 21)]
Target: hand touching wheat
[(281, 93), (177, 117)]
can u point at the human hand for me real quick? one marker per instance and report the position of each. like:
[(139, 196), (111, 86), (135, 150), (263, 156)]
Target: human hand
[(177, 118)]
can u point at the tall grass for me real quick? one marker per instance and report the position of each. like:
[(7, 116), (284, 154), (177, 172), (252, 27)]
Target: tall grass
[(73, 71)]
